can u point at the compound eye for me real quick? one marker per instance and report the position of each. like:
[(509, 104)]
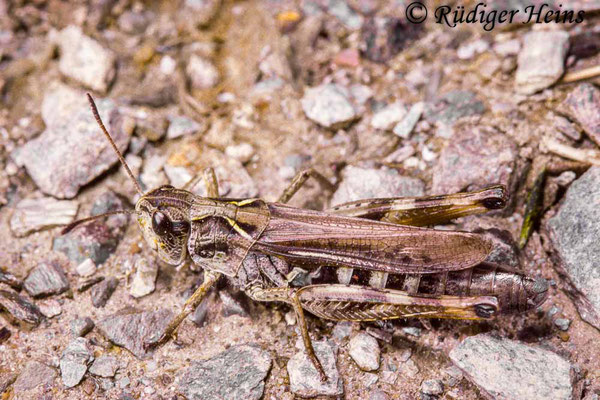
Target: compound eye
[(161, 224)]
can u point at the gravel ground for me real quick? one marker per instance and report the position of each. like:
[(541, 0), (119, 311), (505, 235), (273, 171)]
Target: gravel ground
[(260, 91)]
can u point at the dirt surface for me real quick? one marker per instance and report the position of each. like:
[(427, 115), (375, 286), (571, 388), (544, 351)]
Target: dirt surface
[(492, 133)]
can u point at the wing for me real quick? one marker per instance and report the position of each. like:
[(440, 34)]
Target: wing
[(428, 210), (315, 238)]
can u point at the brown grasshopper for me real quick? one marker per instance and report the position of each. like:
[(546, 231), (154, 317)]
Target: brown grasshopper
[(368, 260)]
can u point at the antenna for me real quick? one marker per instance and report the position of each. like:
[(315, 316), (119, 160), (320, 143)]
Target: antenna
[(112, 143), (75, 224)]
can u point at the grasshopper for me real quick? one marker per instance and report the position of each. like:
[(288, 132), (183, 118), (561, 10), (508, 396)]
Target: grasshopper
[(368, 260)]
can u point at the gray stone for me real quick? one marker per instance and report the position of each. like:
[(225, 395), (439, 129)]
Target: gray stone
[(541, 60), (6, 380), (364, 350), (378, 395), (475, 158), (75, 361), (71, 130), (452, 376), (149, 124), (412, 331), (152, 175), (405, 127), (328, 105), (367, 183), (453, 106), (583, 105), (81, 326), (50, 308), (178, 176), (85, 60), (19, 308), (574, 231), (507, 369), (46, 279), (433, 387), (105, 366), (102, 292), (237, 373), (181, 126), (202, 73), (342, 330), (231, 306), (134, 22), (34, 375), (389, 116), (562, 323), (144, 279), (381, 38), (130, 328), (96, 240), (32, 215), (304, 377), (10, 280)]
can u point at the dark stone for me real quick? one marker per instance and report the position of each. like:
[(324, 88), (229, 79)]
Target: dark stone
[(19, 308), (384, 37), (102, 292), (4, 336), (105, 366), (131, 328), (237, 373), (96, 240), (46, 279), (10, 280), (88, 283), (231, 305)]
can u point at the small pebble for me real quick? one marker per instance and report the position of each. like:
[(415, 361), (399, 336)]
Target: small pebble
[(20, 308), (75, 360), (202, 73), (364, 350), (389, 116), (81, 326), (103, 291), (32, 215), (231, 306), (105, 366), (412, 331), (144, 279), (328, 105), (304, 378), (46, 279), (562, 323), (433, 387), (405, 127), (86, 268), (242, 152), (181, 126)]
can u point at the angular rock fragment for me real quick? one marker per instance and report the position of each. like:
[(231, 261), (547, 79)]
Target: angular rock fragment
[(181, 126), (541, 60), (432, 387), (231, 305), (50, 308), (96, 240), (583, 106), (6, 380), (367, 183), (130, 328), (34, 375), (199, 13), (383, 37), (237, 373), (328, 105), (475, 158), (60, 164), (86, 268), (304, 378), (81, 326), (102, 292), (388, 116), (364, 350), (507, 369), (32, 215), (404, 128), (19, 308), (75, 361), (144, 279), (10, 280), (85, 60), (453, 106), (46, 279), (574, 231), (105, 366)]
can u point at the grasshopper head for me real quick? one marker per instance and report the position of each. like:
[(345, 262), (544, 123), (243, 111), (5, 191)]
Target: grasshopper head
[(163, 217)]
